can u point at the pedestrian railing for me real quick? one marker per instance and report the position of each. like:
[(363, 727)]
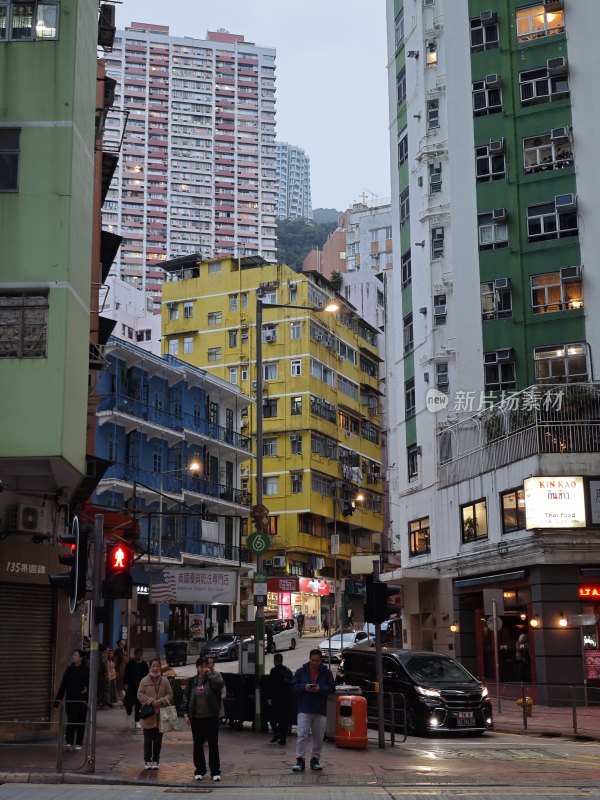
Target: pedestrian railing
[(395, 717)]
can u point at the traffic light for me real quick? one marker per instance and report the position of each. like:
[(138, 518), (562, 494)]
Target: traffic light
[(118, 581), (260, 517), (73, 582), (377, 607)]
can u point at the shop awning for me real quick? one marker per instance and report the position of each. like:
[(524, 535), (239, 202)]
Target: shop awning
[(504, 577)]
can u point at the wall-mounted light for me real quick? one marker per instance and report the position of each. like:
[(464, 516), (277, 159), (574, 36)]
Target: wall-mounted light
[(535, 622), (563, 620), (454, 627), (523, 616), (423, 310)]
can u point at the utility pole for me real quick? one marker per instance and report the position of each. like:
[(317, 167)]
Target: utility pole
[(90, 765), (379, 668), (259, 618)]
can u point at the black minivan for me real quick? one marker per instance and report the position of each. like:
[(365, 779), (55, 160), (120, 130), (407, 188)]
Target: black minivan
[(440, 694)]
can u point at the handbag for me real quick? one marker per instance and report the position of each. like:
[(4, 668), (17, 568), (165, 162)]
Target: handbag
[(168, 719), (147, 711)]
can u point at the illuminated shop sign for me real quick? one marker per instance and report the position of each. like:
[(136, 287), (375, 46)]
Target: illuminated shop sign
[(587, 591), (554, 502)]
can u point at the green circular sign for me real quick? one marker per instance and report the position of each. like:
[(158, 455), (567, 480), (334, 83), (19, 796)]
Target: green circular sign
[(258, 542)]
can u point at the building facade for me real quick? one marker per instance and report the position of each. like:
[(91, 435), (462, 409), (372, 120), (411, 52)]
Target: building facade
[(322, 436), (199, 161), (493, 381), (293, 182)]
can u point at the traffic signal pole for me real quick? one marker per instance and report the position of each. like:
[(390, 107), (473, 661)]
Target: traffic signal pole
[(90, 764), (379, 668), (259, 618)]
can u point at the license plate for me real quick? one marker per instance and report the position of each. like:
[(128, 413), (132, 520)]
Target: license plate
[(465, 719)]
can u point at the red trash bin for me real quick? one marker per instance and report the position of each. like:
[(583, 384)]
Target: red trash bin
[(351, 721)]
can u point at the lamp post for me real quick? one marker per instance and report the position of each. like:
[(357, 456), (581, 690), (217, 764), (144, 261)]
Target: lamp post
[(259, 627)]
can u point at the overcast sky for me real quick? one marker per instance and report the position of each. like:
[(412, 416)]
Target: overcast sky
[(331, 79)]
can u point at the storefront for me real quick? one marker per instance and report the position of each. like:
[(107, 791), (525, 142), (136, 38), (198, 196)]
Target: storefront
[(279, 597), (315, 598)]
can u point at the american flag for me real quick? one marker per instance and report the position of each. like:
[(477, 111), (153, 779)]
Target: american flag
[(162, 586)]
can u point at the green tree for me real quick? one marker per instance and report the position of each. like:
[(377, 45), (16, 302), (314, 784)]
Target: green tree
[(297, 237)]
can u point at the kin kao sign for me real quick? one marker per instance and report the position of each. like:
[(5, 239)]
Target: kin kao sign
[(554, 502)]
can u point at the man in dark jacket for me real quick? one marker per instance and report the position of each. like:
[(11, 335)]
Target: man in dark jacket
[(279, 699), (313, 683), (135, 670), (74, 689)]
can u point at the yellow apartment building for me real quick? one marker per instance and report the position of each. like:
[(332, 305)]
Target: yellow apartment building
[(323, 481)]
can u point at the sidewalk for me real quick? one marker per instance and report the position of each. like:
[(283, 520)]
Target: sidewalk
[(247, 757)]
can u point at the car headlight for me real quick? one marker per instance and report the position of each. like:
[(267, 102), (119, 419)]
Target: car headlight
[(484, 693), (427, 692)]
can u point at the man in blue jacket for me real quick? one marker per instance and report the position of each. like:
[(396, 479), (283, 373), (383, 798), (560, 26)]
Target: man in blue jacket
[(313, 683)]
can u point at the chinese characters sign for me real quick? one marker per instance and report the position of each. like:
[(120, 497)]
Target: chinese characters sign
[(283, 584), (192, 586), (557, 502)]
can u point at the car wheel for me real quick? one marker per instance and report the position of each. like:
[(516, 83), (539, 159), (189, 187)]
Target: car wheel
[(293, 644)]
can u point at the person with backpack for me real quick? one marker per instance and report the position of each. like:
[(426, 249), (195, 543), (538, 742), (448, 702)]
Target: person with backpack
[(279, 699)]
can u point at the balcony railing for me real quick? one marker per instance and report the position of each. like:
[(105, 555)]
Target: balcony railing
[(175, 421), (543, 419)]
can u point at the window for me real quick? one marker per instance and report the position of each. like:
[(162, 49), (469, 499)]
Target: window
[(233, 302), (214, 317), (296, 367), (233, 338), (412, 461), (402, 148), (542, 153), (492, 235), (270, 371), (293, 293), (549, 293), (487, 99), (348, 387), (408, 332), (406, 267), (214, 353), (173, 311), (188, 310), (270, 486), (409, 398), (296, 405), (545, 222), (418, 535), (188, 344), (233, 375), (534, 22), (496, 303), (23, 325), (538, 86), (244, 373), (433, 114), (269, 297), (437, 242), (322, 372), (244, 336), (295, 330), (489, 166), (9, 155), (442, 382), (474, 521), (435, 177), (499, 371), (431, 52), (404, 206), (29, 21), (369, 432), (269, 333), (244, 299), (483, 37), (563, 363), (399, 29), (214, 266), (513, 510), (269, 447), (439, 309), (269, 408), (296, 444), (401, 86), (297, 483)]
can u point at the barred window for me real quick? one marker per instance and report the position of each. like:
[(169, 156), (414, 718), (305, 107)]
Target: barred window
[(23, 325)]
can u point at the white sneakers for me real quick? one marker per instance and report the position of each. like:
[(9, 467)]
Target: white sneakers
[(150, 765), (216, 777), (138, 724), (198, 777)]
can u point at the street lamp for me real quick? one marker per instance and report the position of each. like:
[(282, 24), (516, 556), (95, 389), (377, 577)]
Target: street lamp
[(259, 628)]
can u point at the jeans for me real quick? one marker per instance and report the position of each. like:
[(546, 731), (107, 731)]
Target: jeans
[(306, 722), (206, 729), (152, 744), (76, 716)]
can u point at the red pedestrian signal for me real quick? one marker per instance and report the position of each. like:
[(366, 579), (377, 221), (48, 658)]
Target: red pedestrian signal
[(118, 582)]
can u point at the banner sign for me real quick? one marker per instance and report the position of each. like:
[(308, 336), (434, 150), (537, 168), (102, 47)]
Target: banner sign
[(176, 585), (556, 502), (279, 585), (196, 622), (316, 586)]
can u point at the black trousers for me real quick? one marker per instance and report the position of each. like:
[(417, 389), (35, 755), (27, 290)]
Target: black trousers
[(206, 729), (280, 719), (132, 704), (76, 716), (152, 744)]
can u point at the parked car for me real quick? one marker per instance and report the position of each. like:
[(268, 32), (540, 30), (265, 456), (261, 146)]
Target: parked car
[(440, 694), (224, 647), (341, 640), (284, 634)]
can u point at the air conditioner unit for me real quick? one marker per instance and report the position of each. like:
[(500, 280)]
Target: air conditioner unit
[(270, 336), (568, 274), (505, 355), (107, 27), (553, 5), (171, 304), (490, 358), (443, 379), (279, 561), (488, 17), (439, 311), (496, 146), (560, 134), (435, 179), (492, 80), (293, 437), (29, 519), (557, 66), (499, 215), (502, 283), (244, 469), (565, 202), (268, 562)]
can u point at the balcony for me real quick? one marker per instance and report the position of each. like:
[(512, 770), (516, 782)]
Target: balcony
[(547, 419)]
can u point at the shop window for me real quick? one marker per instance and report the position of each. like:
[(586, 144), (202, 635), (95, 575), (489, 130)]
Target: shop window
[(513, 510), (419, 540)]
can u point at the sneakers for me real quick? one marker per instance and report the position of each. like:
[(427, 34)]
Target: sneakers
[(69, 747), (148, 765), (299, 766), (76, 747), (154, 765), (216, 777), (198, 777), (315, 764), (138, 724)]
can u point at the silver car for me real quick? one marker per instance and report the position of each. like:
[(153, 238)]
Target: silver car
[(341, 640)]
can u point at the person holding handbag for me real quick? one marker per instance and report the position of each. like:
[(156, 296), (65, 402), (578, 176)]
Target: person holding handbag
[(202, 704), (153, 694)]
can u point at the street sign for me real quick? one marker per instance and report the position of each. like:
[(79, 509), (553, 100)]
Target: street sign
[(490, 623), (258, 543), (335, 544), (260, 577), (260, 589)]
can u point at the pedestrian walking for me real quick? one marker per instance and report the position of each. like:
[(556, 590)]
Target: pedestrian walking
[(135, 670), (279, 699), (202, 703), (325, 624), (120, 664), (154, 692), (111, 679), (350, 617), (209, 629), (300, 623), (74, 689), (313, 683)]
